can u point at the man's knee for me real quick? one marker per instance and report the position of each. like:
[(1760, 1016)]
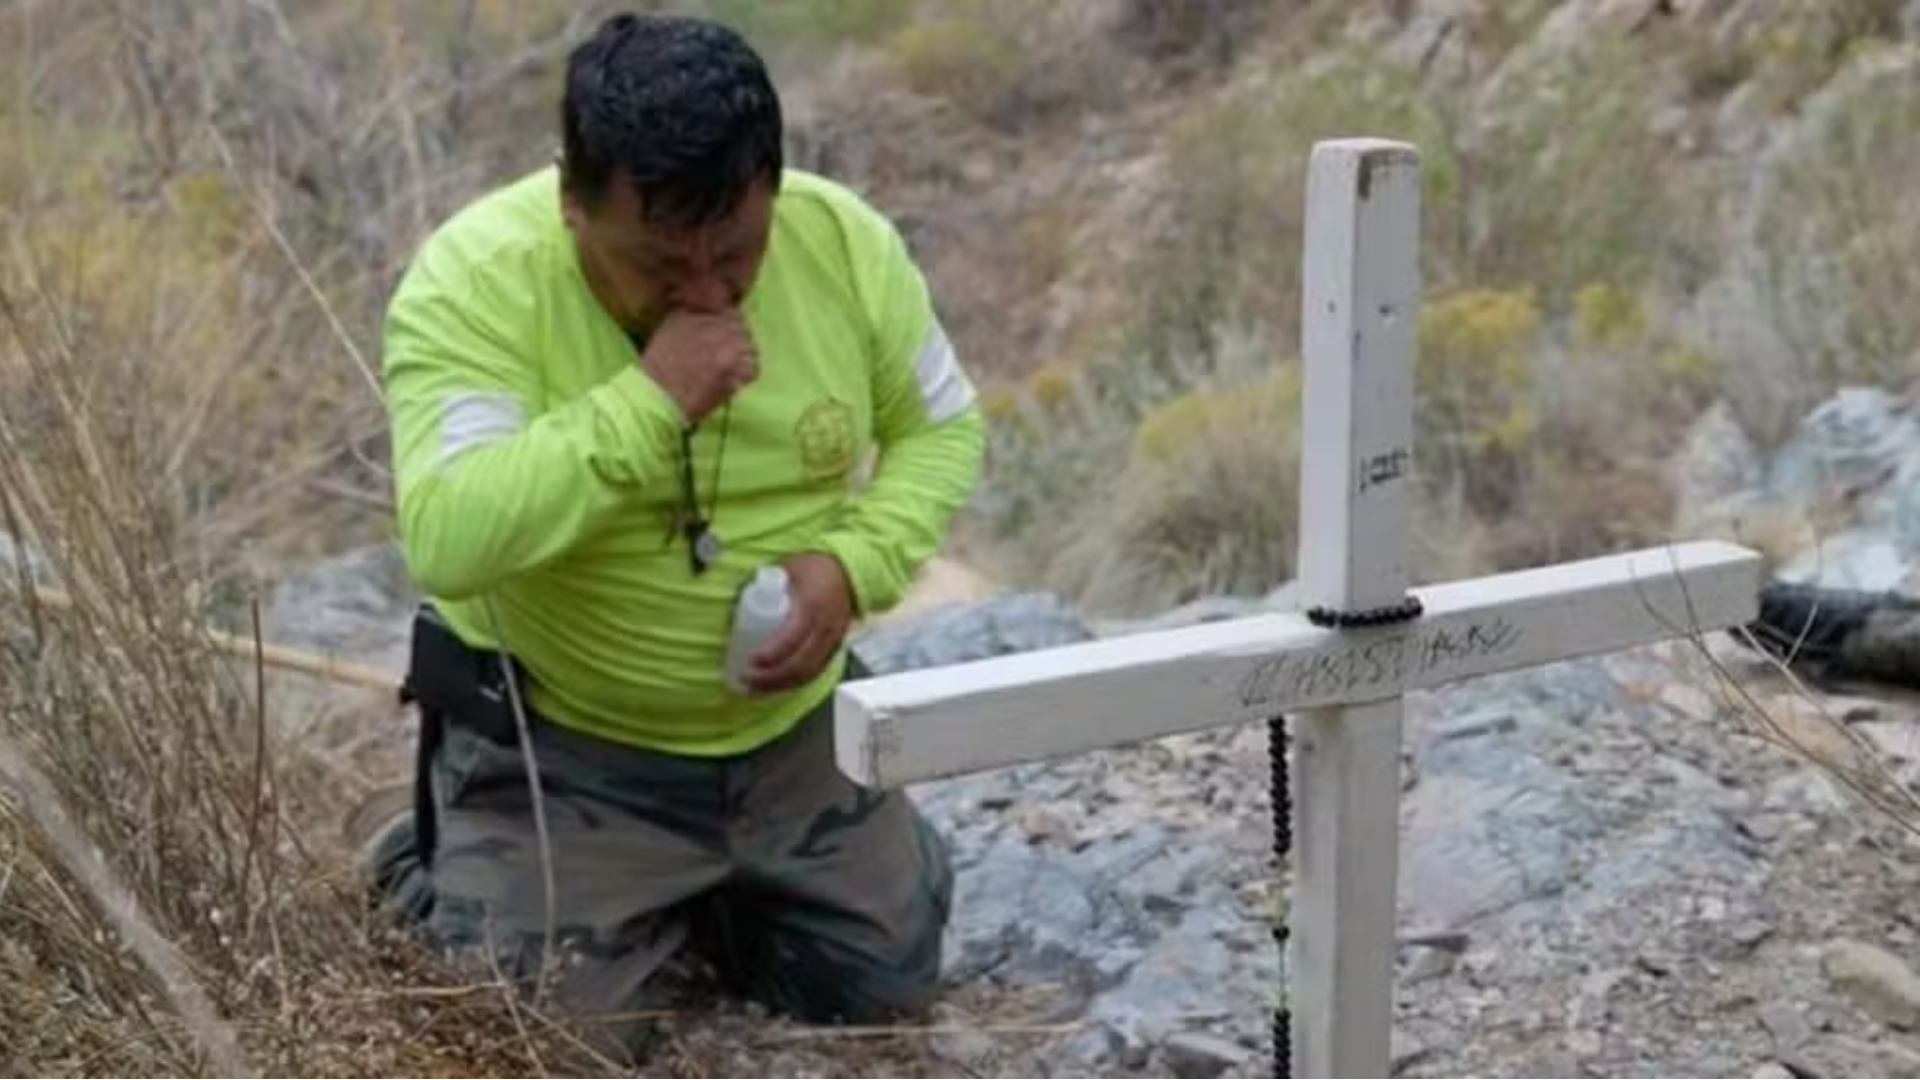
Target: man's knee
[(607, 883), (605, 992), (858, 938), (835, 981), (832, 967)]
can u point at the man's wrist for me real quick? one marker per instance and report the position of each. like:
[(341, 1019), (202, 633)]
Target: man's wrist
[(839, 567), (835, 553)]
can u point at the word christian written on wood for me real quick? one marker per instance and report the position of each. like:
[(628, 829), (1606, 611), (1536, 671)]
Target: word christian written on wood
[(1346, 668)]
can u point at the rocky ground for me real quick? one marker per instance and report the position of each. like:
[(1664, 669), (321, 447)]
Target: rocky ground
[(1644, 886), (1608, 871), (1619, 866)]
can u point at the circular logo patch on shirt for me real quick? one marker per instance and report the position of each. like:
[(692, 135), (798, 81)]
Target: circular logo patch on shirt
[(824, 433)]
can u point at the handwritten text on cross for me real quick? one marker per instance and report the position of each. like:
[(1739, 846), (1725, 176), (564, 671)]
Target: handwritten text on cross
[(1346, 667)]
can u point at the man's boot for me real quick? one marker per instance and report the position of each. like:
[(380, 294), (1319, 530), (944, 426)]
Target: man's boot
[(380, 832)]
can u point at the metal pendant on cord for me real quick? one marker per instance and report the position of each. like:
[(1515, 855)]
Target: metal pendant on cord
[(703, 544)]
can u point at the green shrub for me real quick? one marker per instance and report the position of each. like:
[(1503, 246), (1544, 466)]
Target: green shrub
[(1068, 439), (1207, 503), (1477, 415), (972, 62)]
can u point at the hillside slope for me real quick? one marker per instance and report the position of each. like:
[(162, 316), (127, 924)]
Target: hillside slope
[(1636, 213)]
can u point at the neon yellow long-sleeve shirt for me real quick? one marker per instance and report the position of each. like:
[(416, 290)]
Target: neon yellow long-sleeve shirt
[(537, 465)]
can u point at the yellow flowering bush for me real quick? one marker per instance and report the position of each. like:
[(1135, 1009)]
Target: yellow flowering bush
[(1051, 384), (1477, 415), (968, 61), (1206, 504), (1607, 316), (1209, 415)]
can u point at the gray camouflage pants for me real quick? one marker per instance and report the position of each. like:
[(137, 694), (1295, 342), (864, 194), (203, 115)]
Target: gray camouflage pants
[(821, 899)]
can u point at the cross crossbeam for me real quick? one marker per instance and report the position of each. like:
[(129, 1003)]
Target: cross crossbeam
[(913, 726), (1339, 679)]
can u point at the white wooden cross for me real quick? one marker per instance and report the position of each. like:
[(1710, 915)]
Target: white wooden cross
[(1341, 686)]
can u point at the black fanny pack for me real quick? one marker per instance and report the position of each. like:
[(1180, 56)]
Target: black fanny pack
[(465, 686), (454, 685)]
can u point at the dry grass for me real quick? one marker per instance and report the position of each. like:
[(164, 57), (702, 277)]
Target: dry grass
[(171, 894), (185, 391), (1802, 723)]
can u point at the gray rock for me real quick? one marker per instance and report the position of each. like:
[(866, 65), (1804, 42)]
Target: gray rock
[(1478, 844), (1023, 915), (1852, 441), (1130, 931), (1198, 1054), (1206, 609), (974, 1051), (958, 633), (1865, 443), (18, 559), (19, 563), (359, 603), (1717, 462), (1067, 884), (1784, 1021), (1428, 964), (1895, 1059), (1877, 980), (1408, 1052), (1844, 1055), (1493, 822)]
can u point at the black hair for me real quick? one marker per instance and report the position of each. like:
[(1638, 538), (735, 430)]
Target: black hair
[(681, 108)]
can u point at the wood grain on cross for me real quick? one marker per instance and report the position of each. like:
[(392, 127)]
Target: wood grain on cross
[(1340, 677)]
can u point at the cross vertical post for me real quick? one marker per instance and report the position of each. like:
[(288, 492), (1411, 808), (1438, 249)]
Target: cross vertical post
[(1360, 297)]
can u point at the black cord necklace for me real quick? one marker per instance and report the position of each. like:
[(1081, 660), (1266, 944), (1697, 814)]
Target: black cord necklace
[(703, 544)]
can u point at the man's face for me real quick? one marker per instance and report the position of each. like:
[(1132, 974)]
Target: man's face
[(642, 271)]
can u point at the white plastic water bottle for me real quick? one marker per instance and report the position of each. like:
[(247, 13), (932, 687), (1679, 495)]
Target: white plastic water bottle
[(760, 610)]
